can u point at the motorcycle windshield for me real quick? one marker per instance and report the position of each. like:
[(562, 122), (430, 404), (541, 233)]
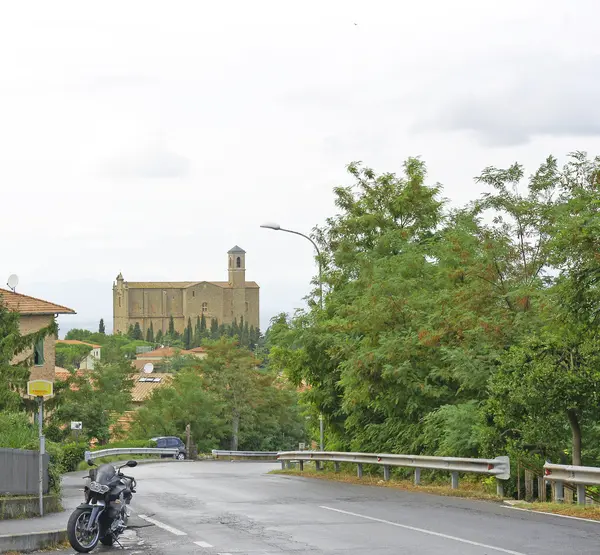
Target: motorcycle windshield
[(105, 473)]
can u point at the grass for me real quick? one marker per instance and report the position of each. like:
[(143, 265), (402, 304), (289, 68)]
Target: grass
[(468, 488), (586, 511)]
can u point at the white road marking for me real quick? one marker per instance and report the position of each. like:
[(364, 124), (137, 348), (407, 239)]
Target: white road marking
[(550, 514), (429, 532), (163, 525), (203, 544)]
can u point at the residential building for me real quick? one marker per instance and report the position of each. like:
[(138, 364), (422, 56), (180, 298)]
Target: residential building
[(158, 355), (34, 316), (155, 303), (89, 361)]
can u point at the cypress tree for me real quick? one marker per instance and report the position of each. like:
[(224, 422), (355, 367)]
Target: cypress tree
[(130, 332), (203, 324), (102, 327), (188, 335), (159, 336), (171, 327), (150, 334), (137, 332), (214, 329)]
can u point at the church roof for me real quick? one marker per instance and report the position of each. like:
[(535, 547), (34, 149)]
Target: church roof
[(24, 304), (181, 284), (237, 250)]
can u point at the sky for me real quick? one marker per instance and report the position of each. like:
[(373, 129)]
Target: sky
[(149, 138)]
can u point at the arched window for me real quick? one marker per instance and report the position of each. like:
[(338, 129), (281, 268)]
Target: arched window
[(205, 307), (238, 262)]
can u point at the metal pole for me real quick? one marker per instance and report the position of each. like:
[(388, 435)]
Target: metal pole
[(322, 432), (41, 453)]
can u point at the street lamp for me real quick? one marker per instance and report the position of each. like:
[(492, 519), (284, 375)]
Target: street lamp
[(277, 227)]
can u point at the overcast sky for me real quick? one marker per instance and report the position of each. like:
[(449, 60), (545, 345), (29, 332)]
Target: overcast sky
[(150, 137)]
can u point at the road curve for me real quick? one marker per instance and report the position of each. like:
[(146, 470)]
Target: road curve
[(221, 507)]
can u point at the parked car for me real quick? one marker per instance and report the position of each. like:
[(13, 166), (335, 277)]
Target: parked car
[(171, 442)]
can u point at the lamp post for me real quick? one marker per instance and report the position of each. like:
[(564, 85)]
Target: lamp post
[(277, 227)]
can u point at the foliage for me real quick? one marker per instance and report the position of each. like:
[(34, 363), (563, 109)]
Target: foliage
[(13, 377), (102, 327), (465, 331), (16, 430), (70, 356), (72, 455), (94, 396)]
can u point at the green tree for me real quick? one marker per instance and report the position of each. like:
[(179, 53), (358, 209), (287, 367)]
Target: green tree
[(187, 401), (172, 331), (70, 356), (150, 334), (13, 347), (159, 337), (137, 332), (131, 332), (95, 398), (230, 373), (214, 329), (203, 325), (188, 335), (101, 327)]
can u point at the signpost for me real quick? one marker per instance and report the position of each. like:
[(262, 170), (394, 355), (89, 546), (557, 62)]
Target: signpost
[(40, 389), (77, 427)]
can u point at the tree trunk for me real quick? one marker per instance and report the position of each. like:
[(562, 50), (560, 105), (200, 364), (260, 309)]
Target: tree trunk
[(235, 428), (576, 431)]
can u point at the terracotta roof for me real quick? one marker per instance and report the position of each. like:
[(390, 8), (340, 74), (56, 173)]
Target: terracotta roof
[(181, 284), (24, 304), (165, 352), (77, 342), (142, 390)]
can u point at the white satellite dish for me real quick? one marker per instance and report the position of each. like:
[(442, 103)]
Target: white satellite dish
[(148, 368), (13, 281)]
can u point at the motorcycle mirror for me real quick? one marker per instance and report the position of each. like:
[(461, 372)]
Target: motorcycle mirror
[(131, 464)]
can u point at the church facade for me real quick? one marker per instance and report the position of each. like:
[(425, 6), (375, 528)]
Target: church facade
[(156, 302)]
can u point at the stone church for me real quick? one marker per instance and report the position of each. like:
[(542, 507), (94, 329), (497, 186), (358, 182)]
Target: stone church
[(155, 302)]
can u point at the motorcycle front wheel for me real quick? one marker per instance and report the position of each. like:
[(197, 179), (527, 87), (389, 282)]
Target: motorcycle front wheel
[(81, 539)]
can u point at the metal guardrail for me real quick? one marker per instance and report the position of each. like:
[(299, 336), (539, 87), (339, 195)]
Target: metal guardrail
[(217, 453), (581, 476), (91, 455), (498, 467)]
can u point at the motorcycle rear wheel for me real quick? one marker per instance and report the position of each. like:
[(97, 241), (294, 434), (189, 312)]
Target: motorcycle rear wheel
[(80, 539)]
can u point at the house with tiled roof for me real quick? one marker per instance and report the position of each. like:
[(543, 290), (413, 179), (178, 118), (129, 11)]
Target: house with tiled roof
[(94, 355), (158, 355), (153, 304), (35, 315)]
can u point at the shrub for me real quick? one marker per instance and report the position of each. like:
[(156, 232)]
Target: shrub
[(72, 455), (16, 431)]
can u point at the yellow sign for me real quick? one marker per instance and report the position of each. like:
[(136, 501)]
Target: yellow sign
[(40, 388)]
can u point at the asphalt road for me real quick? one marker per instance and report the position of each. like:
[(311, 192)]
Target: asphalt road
[(216, 507)]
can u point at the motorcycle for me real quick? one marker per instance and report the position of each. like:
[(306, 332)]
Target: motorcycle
[(104, 514)]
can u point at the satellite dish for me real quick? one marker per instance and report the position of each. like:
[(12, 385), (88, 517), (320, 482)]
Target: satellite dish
[(13, 281), (148, 368)]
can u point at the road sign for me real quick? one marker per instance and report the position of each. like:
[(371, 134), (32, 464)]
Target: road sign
[(76, 425), (40, 388)]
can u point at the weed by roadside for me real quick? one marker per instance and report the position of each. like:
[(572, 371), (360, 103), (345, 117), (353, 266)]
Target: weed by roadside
[(591, 512), (468, 489)]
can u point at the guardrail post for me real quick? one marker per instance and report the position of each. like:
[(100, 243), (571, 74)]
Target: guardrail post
[(454, 480), (581, 494), (301, 465), (318, 465), (336, 466), (499, 488), (359, 470), (282, 465), (417, 476), (559, 492), (386, 472)]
